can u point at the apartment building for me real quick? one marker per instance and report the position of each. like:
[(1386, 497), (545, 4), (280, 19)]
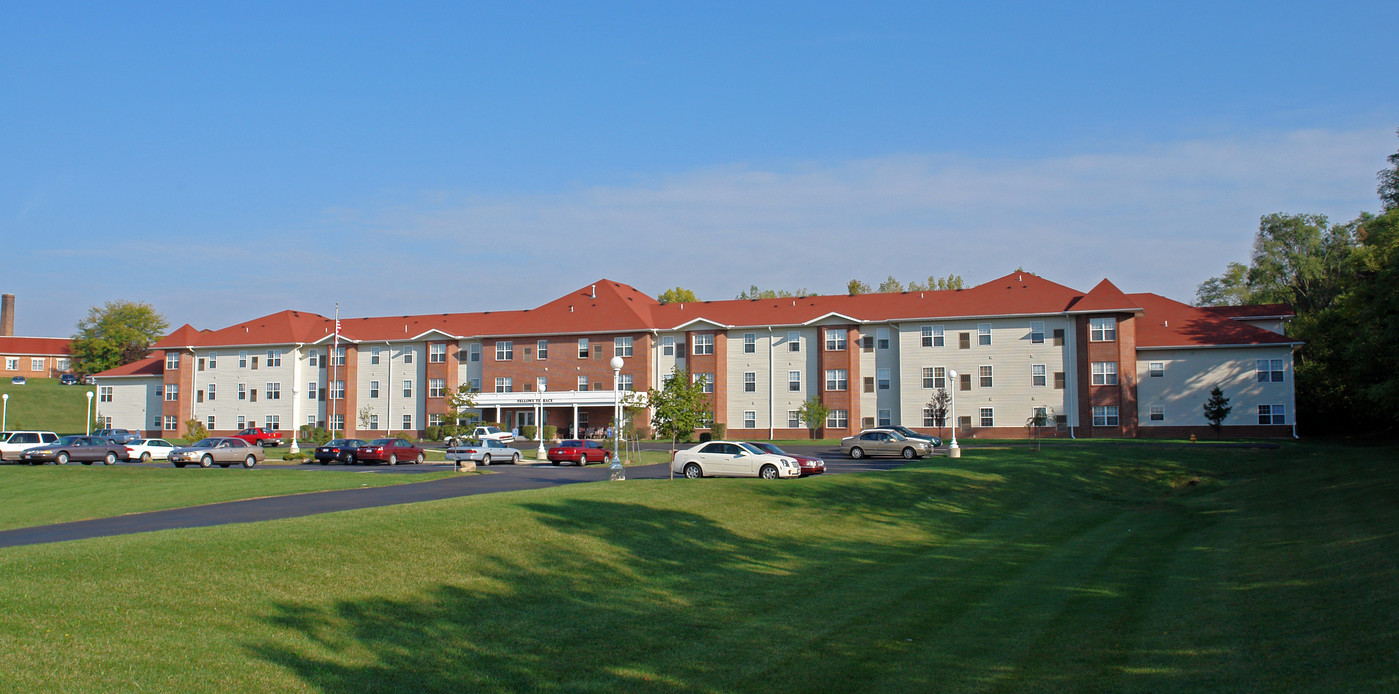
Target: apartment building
[(1101, 363)]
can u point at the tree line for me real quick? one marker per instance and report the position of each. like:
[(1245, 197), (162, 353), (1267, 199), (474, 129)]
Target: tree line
[(1342, 281)]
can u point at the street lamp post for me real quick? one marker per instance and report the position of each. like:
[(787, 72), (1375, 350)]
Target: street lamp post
[(88, 427), (617, 364), (540, 454), (952, 450), (5, 416)]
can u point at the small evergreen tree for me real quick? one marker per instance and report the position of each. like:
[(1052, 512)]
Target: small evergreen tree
[(1216, 410)]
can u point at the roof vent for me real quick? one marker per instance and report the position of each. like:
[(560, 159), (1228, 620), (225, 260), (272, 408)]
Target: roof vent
[(570, 308), (594, 293), (1165, 324)]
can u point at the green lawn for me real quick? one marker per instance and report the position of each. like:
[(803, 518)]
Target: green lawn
[(1116, 569), (57, 494), (45, 405)]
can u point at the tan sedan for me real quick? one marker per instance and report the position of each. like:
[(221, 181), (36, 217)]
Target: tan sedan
[(223, 451), (884, 443)]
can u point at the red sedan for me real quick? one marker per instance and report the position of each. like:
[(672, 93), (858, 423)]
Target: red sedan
[(579, 451), (810, 465), (391, 451)]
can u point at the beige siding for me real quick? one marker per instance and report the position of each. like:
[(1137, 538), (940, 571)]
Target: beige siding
[(135, 401), (1190, 374)]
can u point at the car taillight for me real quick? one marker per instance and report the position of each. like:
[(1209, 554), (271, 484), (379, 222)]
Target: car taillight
[(128, 449)]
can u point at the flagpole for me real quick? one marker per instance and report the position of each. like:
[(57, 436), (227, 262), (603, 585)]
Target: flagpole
[(334, 368)]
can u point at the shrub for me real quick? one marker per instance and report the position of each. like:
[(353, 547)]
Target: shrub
[(433, 432), (320, 435), (299, 455), (194, 431), (718, 430), (705, 436), (551, 432), (527, 431)]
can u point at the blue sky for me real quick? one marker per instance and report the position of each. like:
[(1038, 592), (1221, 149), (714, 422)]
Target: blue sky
[(226, 161)]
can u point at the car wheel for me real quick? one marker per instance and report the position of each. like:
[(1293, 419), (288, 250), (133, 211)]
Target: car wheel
[(583, 460), (110, 459), (146, 457), (607, 459), (768, 472), (693, 471), (910, 454), (62, 458), (857, 453), (515, 459), (249, 461), (393, 459), (206, 461), (419, 460), (351, 460)]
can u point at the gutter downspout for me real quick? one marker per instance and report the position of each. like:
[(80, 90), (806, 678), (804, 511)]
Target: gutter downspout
[(388, 416), (772, 392)]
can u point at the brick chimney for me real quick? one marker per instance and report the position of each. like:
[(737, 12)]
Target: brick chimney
[(7, 315)]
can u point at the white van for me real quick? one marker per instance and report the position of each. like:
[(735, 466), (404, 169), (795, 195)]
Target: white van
[(13, 443)]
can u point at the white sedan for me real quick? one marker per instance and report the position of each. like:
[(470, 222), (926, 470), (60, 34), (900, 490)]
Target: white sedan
[(483, 452), (733, 459), (146, 450)]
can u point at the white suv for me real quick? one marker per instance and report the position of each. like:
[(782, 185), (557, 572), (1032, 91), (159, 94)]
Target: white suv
[(13, 443), (493, 433)]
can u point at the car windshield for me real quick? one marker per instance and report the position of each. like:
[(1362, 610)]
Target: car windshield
[(751, 448), (66, 440), (571, 444), (770, 448), (343, 442), (206, 443), (382, 442)]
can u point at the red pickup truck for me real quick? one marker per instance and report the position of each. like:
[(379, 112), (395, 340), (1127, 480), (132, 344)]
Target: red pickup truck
[(261, 436)]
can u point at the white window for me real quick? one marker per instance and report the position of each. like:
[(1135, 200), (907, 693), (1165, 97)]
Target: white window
[(704, 344), (794, 381), (407, 422), (986, 376), (707, 380), (1272, 414), (172, 392), (337, 390), (104, 394), (1036, 332), (624, 382), (668, 346), (1270, 370), (504, 350), (242, 391), (312, 391), (582, 348), (838, 419), (1157, 413), (750, 382), (274, 391), (930, 418), (837, 379), (835, 339), (274, 358), (336, 422), (621, 346), (373, 421), (313, 358), (437, 353), (242, 360), (932, 377), (155, 422), (1039, 375), (408, 355), (750, 419), (170, 422), (434, 420), (209, 423), (582, 383), (475, 352), (983, 334), (885, 418), (373, 389), (1104, 373), (436, 387), (1102, 329), (881, 339), (504, 384), (750, 343), (988, 417), (172, 361), (310, 421), (1105, 416), (541, 350), (793, 419), (407, 389), (474, 385), (274, 422), (374, 355), (1155, 369), (62, 365), (242, 422), (933, 336), (794, 341), (883, 378), (37, 364), (337, 356), (211, 391)]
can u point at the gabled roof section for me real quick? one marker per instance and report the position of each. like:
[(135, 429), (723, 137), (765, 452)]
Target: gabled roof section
[(1168, 323), (35, 346), (153, 365), (1105, 298), (184, 336)]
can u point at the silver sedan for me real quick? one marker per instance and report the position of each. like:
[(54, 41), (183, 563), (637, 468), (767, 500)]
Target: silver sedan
[(223, 451), (878, 442)]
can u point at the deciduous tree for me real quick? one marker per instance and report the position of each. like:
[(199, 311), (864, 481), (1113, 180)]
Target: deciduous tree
[(116, 333), (813, 413), (679, 407), (677, 295)]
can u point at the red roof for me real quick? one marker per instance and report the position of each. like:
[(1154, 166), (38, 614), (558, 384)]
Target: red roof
[(36, 346), (1168, 323), (1104, 298), (1252, 311), (150, 366)]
